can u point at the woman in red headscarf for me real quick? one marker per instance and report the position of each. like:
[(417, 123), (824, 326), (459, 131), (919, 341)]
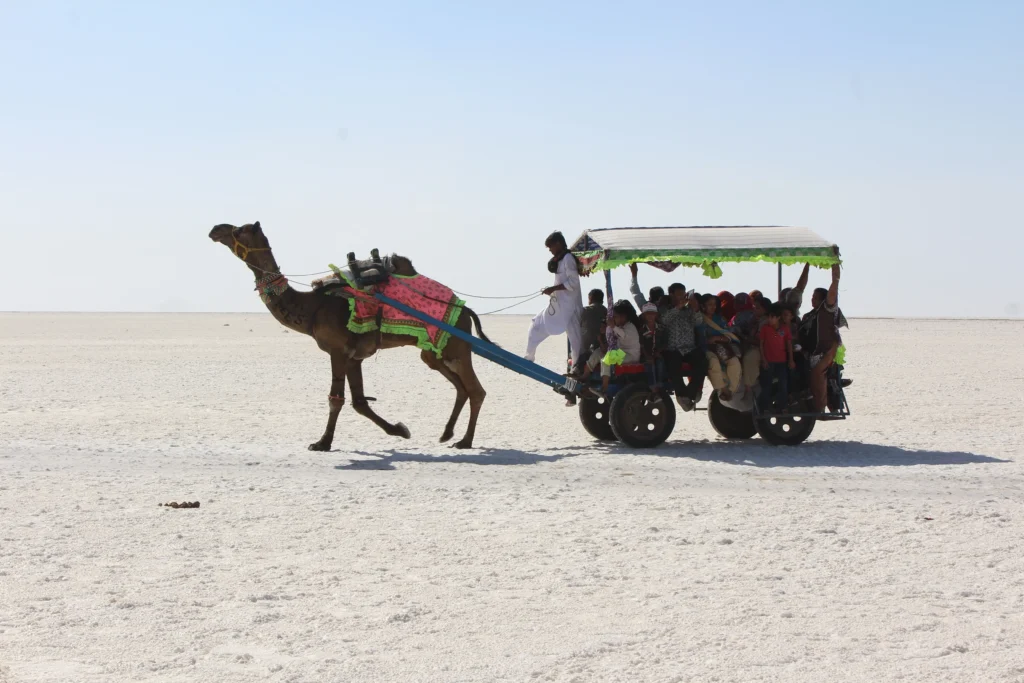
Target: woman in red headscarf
[(746, 324), (726, 307)]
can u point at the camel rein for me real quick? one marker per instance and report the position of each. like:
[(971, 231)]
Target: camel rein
[(272, 284)]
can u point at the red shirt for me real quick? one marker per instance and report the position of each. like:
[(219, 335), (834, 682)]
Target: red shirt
[(774, 343)]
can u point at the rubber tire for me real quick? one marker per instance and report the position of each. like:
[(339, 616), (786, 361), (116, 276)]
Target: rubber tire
[(625, 431), (778, 437), (597, 427), (729, 423)]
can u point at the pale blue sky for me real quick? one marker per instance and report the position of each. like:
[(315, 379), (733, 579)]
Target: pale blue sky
[(461, 134)]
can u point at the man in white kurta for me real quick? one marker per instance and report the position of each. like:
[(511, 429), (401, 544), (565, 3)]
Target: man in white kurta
[(565, 308)]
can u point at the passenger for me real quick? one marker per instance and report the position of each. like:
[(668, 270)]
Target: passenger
[(789, 320), (783, 295), (592, 321), (820, 334), (562, 314), (776, 362), (756, 294), (743, 310), (681, 324), (794, 296), (746, 324), (800, 378), (656, 296), (627, 333), (722, 350), (651, 333), (726, 305)]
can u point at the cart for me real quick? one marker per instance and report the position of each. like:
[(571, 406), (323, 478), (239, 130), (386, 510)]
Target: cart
[(638, 408)]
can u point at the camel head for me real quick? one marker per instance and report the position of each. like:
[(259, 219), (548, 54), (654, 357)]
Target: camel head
[(249, 244)]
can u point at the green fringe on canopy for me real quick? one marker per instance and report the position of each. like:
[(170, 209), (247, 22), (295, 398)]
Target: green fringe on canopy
[(708, 261)]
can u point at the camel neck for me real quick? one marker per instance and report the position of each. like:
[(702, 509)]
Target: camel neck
[(295, 310)]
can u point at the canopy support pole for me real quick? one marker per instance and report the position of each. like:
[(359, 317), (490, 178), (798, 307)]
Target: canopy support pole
[(610, 303), (779, 296)]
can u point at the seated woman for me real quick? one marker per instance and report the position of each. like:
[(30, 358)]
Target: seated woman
[(745, 325), (723, 350), (627, 334), (726, 305)]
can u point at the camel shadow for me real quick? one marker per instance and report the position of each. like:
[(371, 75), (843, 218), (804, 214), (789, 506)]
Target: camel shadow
[(385, 460), (757, 453)]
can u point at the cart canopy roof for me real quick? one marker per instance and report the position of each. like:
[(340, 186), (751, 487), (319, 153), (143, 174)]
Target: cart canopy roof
[(703, 246)]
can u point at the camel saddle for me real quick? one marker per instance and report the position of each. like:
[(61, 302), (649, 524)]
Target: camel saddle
[(364, 275), (372, 271), (360, 274)]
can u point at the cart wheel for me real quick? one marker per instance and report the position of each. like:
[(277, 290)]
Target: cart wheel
[(642, 418), (594, 416), (729, 423), (784, 430)]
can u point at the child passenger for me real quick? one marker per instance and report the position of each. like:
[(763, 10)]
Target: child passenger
[(776, 362), (627, 333)]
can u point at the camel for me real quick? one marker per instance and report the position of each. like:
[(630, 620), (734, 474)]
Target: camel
[(325, 318)]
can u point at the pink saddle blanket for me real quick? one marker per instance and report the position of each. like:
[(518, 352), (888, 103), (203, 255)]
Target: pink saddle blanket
[(418, 292)]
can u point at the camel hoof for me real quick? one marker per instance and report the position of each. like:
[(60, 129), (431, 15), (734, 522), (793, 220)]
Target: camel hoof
[(319, 446), (447, 436), (462, 445), (402, 431)]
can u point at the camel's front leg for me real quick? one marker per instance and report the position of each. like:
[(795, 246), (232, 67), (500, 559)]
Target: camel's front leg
[(336, 399), (362, 406)]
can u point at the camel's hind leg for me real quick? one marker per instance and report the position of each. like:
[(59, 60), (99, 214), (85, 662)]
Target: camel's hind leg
[(462, 365), (434, 363), (336, 399), (362, 406)]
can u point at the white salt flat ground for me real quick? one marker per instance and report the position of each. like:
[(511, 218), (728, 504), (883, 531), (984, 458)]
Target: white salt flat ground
[(542, 556)]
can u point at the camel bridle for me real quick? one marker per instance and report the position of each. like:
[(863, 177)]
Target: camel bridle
[(242, 251)]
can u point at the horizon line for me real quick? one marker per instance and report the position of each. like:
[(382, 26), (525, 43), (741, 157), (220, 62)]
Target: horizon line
[(497, 315)]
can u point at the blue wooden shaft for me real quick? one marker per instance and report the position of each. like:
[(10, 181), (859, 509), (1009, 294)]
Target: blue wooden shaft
[(491, 352)]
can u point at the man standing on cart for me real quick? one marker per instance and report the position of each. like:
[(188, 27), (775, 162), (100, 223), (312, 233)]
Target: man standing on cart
[(566, 305)]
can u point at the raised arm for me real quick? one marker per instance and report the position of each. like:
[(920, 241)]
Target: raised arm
[(833, 291), (801, 284), (634, 288)]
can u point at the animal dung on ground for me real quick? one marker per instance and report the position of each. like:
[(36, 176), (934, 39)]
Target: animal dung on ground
[(179, 505)]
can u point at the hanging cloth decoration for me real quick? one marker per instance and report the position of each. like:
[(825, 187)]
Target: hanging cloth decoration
[(614, 357), (711, 269)]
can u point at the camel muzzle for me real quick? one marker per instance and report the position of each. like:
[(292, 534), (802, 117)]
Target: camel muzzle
[(220, 233)]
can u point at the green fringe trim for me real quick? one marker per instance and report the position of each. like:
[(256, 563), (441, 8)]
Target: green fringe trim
[(708, 260)]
